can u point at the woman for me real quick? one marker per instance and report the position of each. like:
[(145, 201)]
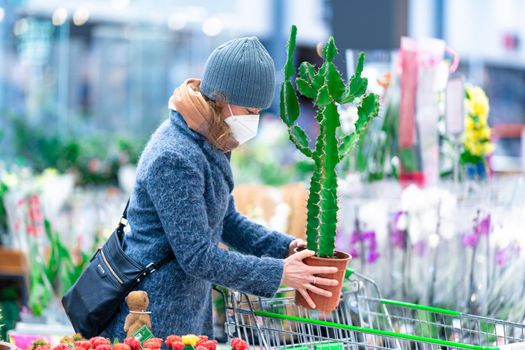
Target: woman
[(182, 203)]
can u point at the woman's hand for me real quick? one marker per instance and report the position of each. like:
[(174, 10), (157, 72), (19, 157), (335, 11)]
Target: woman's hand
[(300, 276), (296, 244)]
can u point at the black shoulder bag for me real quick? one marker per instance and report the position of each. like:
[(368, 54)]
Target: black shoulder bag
[(95, 298)]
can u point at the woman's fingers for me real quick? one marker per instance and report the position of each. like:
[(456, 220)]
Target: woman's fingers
[(325, 281), (317, 270), (318, 290), (301, 243), (303, 254), (306, 297)]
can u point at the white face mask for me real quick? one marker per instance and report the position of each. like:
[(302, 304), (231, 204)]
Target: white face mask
[(244, 127)]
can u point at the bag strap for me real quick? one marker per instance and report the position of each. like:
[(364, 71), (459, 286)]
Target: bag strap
[(151, 267), (154, 266), (123, 222)]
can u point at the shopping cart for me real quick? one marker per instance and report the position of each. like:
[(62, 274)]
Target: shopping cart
[(363, 320)]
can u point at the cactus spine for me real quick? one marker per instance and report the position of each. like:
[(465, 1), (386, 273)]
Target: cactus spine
[(327, 89)]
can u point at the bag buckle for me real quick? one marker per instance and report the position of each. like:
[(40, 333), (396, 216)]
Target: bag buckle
[(152, 267)]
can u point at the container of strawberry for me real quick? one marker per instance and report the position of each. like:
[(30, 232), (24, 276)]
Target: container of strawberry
[(172, 342)]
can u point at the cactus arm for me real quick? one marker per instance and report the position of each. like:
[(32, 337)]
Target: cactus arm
[(300, 140), (367, 110), (357, 84), (305, 88), (307, 72), (289, 104), (347, 144), (289, 68)]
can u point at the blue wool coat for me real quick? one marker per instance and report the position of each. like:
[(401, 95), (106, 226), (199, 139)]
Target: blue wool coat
[(182, 202)]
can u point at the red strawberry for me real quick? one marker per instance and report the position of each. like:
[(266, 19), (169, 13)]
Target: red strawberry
[(61, 347), (178, 345), (103, 347), (83, 344), (121, 346), (200, 347), (209, 344), (172, 339), (153, 343), (96, 341), (239, 344), (133, 343), (202, 339)]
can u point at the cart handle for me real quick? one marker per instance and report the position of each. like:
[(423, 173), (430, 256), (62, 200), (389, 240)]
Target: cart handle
[(350, 272), (386, 333)]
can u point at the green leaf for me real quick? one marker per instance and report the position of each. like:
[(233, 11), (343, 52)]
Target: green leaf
[(323, 97), (330, 50), (289, 104), (305, 89), (335, 83), (307, 72)]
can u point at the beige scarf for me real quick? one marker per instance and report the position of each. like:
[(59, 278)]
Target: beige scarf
[(189, 102)]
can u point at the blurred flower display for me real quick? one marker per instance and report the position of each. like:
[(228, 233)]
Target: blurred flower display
[(477, 144)]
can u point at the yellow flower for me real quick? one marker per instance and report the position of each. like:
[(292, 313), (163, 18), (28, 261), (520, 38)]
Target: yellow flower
[(477, 130), (469, 124), (190, 339), (480, 135), (477, 102), (488, 148), (477, 149)]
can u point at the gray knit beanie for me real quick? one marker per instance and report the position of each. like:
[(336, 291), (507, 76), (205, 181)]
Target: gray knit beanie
[(242, 72)]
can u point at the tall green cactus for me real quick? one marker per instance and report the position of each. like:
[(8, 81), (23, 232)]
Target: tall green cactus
[(327, 89)]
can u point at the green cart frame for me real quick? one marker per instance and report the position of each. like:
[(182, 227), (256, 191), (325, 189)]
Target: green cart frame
[(363, 321)]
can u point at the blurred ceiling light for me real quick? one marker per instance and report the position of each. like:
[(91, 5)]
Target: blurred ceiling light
[(212, 26), (81, 16), (20, 26), (120, 4), (59, 16), (2, 14), (177, 21)]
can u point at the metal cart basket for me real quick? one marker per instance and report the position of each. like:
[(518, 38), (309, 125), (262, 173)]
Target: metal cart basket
[(363, 320)]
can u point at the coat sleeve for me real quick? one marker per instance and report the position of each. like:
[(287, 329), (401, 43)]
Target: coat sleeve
[(176, 188), (248, 237)]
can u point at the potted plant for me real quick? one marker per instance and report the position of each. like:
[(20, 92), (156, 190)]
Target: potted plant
[(326, 88)]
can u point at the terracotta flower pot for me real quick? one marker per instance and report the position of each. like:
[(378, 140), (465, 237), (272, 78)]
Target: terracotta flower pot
[(322, 303)]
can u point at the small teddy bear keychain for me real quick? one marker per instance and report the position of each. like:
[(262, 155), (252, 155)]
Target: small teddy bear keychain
[(138, 316)]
